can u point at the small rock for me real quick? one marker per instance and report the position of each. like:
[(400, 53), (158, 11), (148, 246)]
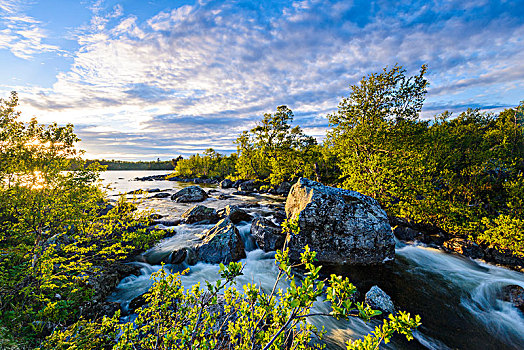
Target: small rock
[(377, 299), (160, 195), (226, 183), (190, 194), (234, 213), (155, 216), (515, 295), (153, 190), (200, 213), (465, 247)]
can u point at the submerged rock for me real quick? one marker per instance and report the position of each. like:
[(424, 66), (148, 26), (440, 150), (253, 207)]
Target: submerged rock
[(342, 226), (234, 213), (222, 244), (200, 214), (515, 295), (190, 194), (379, 300), (268, 236), (226, 183), (465, 247)]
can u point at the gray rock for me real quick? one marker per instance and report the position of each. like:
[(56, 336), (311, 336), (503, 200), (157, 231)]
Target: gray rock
[(226, 183), (234, 213), (201, 214), (160, 195), (379, 300), (190, 194), (342, 226), (283, 189), (465, 247), (515, 295), (269, 236), (222, 244), (249, 186)]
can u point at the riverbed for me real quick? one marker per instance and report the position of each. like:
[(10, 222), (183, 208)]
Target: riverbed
[(457, 297)]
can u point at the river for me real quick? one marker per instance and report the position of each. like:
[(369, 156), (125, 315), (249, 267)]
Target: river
[(456, 297)]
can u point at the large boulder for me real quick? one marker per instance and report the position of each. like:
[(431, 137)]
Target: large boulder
[(379, 300), (222, 244), (226, 183), (342, 226), (190, 194), (234, 213), (249, 186), (269, 236), (200, 214)]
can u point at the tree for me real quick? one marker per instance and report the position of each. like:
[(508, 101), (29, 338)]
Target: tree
[(274, 150)]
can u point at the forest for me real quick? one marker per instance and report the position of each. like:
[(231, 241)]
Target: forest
[(461, 173)]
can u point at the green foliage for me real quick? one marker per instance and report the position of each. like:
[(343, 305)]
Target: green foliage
[(219, 316), (274, 150), (210, 164), (461, 174), (53, 238)]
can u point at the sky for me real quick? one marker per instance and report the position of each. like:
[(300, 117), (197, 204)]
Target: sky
[(142, 80)]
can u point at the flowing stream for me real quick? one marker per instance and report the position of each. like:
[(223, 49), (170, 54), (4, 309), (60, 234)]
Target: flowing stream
[(457, 298)]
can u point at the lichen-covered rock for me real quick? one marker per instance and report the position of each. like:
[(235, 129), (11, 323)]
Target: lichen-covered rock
[(190, 194), (222, 244), (379, 300), (342, 226), (234, 213), (201, 214), (269, 236), (226, 183), (515, 295), (464, 247)]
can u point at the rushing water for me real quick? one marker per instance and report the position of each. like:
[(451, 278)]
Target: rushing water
[(457, 298)]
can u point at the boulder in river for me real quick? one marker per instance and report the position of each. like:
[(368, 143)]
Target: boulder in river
[(379, 300), (249, 186), (234, 213), (200, 214), (284, 188), (222, 244), (160, 195), (342, 226), (190, 194), (226, 183), (269, 236)]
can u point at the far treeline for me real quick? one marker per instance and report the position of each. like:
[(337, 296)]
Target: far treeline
[(128, 165), (462, 174)]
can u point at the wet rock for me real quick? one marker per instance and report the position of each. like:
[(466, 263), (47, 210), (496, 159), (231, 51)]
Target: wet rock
[(379, 300), (503, 257), (161, 195), (237, 183), (178, 256), (135, 303), (222, 244), (190, 194), (241, 193), (464, 247), (268, 236), (151, 178), (284, 188), (515, 295), (226, 183), (200, 214), (224, 196), (234, 213), (155, 216), (342, 226), (249, 186), (405, 233)]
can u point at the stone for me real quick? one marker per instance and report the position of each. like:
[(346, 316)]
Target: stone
[(190, 194), (249, 186), (514, 294), (405, 233), (160, 195), (464, 247), (283, 189), (234, 213), (379, 300), (268, 236), (200, 214), (342, 226), (226, 183), (222, 244)]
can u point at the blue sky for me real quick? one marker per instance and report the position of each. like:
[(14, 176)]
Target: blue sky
[(147, 79)]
